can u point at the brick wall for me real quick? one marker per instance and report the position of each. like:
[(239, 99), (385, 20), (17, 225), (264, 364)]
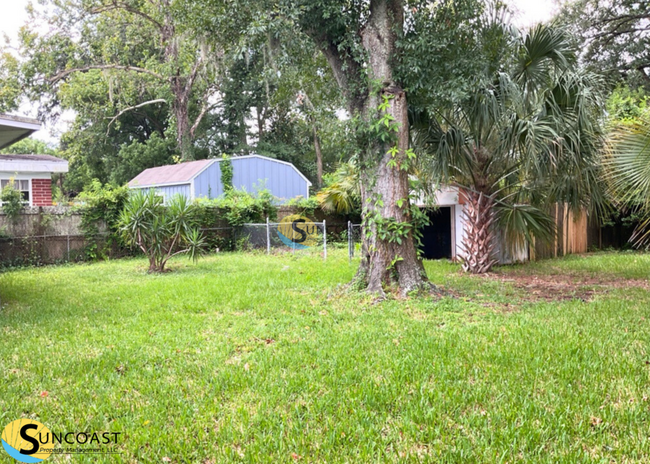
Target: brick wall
[(41, 192)]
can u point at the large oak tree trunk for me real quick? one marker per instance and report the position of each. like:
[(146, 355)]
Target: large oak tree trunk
[(386, 262), (384, 184)]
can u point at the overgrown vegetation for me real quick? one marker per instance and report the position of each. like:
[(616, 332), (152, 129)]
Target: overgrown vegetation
[(226, 173), (100, 207), (12, 201), (304, 206), (238, 207)]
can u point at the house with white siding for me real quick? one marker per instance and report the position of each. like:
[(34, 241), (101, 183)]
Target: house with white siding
[(30, 174), (202, 179)]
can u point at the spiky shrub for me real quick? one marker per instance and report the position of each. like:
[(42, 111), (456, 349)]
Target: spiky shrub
[(160, 231)]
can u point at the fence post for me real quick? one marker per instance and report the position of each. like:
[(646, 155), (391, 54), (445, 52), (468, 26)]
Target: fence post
[(268, 237), (324, 240), (350, 242), (68, 236)]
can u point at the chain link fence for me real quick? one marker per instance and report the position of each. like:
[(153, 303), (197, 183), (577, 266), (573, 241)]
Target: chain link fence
[(36, 250), (284, 237), (272, 237), (354, 239)]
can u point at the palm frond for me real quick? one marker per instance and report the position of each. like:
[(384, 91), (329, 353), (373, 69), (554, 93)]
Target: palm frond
[(627, 171), (544, 49), (627, 163), (522, 224), (342, 194)]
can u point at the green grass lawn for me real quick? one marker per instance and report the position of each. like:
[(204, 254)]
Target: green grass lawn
[(250, 358)]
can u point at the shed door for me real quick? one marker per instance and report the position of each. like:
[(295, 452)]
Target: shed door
[(436, 237)]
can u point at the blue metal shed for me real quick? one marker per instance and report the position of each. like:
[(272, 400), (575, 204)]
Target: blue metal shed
[(202, 179)]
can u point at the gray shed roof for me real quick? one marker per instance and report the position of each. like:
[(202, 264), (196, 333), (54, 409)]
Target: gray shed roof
[(16, 128)]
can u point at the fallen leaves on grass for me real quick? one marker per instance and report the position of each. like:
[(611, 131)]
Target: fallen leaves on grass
[(561, 287)]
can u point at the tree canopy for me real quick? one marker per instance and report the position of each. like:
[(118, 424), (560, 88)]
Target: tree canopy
[(614, 36)]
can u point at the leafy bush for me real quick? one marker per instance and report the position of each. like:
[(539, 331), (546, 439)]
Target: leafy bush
[(239, 207), (100, 206), (305, 206), (160, 231), (234, 209), (12, 202)]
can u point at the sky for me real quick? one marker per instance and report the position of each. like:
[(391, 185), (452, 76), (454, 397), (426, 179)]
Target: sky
[(528, 12)]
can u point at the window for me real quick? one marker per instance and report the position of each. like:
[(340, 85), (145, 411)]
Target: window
[(21, 185)]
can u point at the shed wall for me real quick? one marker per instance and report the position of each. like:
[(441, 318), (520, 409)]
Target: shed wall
[(280, 179), (169, 191), (208, 183)]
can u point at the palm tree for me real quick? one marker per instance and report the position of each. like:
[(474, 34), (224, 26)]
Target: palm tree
[(627, 169), (525, 138), (342, 192)]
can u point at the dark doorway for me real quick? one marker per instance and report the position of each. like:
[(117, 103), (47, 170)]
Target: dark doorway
[(436, 237)]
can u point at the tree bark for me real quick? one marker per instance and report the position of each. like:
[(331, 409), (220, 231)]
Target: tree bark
[(386, 262), (478, 247), (319, 155), (180, 109)]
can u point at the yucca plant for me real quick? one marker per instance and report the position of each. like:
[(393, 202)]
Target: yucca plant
[(525, 138), (160, 231)]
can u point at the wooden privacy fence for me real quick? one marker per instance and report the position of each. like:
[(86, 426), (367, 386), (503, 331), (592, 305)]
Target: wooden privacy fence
[(571, 234)]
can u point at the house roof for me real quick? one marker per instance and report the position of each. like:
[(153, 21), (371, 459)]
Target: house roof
[(32, 163), (181, 173), (16, 128)]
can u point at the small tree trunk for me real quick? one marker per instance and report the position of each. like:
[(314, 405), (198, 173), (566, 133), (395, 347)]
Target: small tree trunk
[(319, 155), (180, 108), (477, 250)]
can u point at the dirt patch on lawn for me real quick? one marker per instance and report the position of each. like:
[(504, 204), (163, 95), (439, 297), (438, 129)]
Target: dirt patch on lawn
[(560, 287)]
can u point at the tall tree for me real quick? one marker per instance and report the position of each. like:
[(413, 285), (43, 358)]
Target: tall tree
[(364, 42), (10, 88), (359, 41), (118, 38), (614, 35)]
